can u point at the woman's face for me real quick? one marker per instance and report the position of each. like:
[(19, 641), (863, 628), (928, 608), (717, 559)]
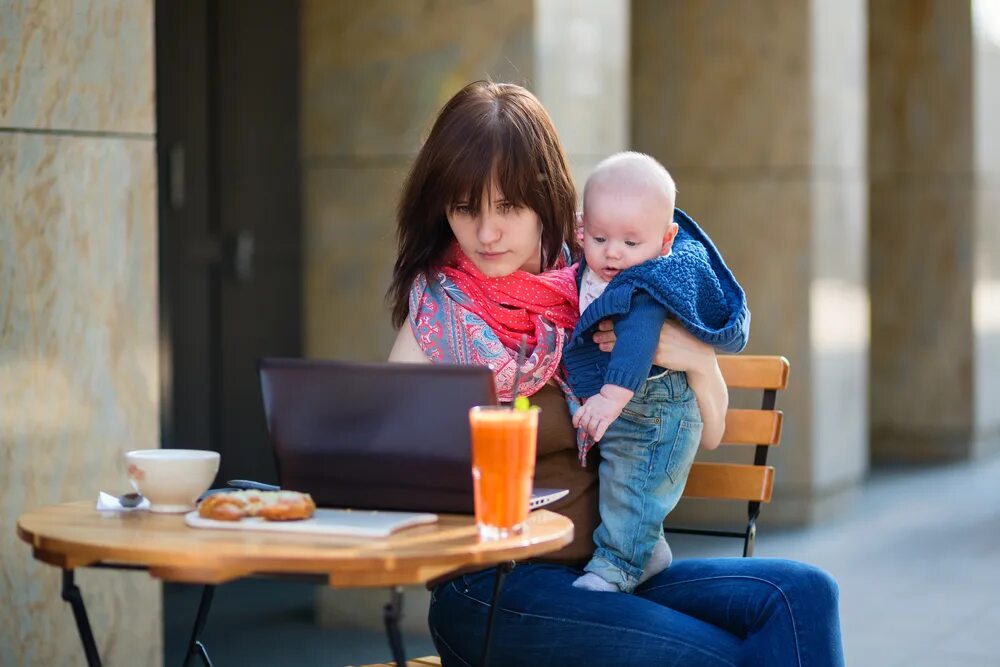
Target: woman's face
[(500, 238)]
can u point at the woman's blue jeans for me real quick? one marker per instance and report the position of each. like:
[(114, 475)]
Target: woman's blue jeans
[(698, 612)]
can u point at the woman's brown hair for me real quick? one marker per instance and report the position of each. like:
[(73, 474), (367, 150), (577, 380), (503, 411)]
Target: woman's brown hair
[(487, 131)]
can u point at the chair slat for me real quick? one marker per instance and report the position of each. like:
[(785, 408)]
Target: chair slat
[(753, 427), (426, 661), (730, 481), (754, 372)]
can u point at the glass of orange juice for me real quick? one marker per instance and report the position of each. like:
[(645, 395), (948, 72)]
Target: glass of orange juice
[(503, 467)]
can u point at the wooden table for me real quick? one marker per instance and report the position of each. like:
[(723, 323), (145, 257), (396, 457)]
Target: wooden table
[(73, 535)]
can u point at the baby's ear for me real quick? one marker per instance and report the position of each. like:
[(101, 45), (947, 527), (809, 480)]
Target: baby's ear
[(668, 237), (578, 227)]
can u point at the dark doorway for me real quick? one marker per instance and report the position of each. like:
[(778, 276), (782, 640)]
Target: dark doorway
[(227, 79)]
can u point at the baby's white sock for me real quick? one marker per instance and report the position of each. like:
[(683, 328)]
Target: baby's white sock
[(659, 560), (592, 582)]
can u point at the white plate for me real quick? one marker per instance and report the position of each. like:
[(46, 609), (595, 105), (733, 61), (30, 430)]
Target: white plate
[(355, 523)]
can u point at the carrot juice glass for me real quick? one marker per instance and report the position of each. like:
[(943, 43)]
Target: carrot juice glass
[(503, 467)]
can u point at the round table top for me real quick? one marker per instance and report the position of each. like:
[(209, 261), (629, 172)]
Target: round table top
[(74, 534)]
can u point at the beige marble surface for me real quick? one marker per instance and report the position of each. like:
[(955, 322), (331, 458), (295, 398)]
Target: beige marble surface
[(84, 65), (986, 319), (375, 73), (921, 279), (582, 76), (722, 86), (839, 97), (986, 292), (935, 162), (758, 110), (78, 375), (349, 252), (920, 77)]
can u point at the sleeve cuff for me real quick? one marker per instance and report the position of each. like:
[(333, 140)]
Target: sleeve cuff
[(624, 378)]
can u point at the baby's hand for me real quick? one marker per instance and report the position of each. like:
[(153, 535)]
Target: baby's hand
[(600, 410)]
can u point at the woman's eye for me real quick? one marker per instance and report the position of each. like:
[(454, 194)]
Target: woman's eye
[(505, 207), (462, 209)]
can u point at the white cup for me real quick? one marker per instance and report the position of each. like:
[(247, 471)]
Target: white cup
[(172, 479)]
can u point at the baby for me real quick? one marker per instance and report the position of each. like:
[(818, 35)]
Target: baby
[(642, 267)]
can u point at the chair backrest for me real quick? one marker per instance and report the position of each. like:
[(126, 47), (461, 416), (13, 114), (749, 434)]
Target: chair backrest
[(760, 429)]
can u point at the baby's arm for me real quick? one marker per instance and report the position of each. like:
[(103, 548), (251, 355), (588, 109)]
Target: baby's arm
[(638, 334)]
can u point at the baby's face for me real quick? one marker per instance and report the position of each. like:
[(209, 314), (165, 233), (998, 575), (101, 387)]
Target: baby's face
[(621, 231)]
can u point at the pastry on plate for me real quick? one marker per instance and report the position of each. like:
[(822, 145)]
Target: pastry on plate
[(268, 505)]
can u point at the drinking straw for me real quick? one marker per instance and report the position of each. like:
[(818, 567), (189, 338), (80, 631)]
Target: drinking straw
[(522, 353)]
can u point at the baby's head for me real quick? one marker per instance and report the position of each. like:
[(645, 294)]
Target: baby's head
[(628, 213)]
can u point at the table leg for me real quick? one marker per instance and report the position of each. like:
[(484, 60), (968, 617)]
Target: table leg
[(394, 612), (71, 594), (502, 570), (195, 646)]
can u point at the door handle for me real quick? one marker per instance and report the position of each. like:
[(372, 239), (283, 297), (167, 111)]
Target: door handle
[(242, 247)]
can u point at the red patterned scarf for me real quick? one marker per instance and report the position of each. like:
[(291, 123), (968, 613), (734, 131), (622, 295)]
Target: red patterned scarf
[(516, 304), (462, 316)]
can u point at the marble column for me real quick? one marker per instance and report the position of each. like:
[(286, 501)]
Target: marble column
[(374, 74), (986, 282), (78, 335), (582, 77), (934, 157), (758, 110)]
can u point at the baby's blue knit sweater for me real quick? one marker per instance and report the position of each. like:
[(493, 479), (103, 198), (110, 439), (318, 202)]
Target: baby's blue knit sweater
[(692, 285)]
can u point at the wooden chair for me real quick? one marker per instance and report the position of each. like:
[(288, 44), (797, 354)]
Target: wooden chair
[(760, 429), (751, 483)]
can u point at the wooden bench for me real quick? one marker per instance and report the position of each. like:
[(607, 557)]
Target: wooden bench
[(748, 482)]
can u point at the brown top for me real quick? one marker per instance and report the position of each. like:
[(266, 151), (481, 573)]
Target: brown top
[(558, 467)]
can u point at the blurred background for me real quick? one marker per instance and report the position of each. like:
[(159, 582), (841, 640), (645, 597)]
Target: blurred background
[(188, 185)]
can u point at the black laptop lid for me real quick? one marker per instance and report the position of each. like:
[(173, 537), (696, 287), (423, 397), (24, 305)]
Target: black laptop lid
[(375, 435)]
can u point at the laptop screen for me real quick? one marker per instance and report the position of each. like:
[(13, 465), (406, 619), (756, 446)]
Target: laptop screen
[(375, 435)]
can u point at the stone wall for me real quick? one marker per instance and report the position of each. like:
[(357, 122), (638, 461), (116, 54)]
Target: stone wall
[(373, 76), (935, 165), (758, 111), (78, 337)]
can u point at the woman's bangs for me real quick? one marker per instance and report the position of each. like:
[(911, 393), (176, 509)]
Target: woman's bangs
[(469, 174), (516, 174), (516, 169)]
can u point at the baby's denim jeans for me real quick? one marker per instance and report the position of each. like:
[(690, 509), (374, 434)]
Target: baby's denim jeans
[(645, 458)]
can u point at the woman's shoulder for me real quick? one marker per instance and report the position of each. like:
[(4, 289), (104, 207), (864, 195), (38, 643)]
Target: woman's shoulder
[(405, 348)]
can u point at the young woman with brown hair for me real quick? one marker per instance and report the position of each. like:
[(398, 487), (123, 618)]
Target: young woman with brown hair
[(486, 236)]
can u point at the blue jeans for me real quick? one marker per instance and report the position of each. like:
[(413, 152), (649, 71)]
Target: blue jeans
[(697, 613), (646, 455)]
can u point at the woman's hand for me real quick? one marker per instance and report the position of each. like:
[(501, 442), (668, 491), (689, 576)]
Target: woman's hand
[(605, 335), (680, 351)]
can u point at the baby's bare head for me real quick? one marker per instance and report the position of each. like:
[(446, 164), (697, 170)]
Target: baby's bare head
[(628, 213), (631, 177)]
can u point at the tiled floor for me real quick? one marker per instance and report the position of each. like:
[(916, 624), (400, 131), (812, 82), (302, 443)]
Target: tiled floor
[(918, 562), (917, 559)]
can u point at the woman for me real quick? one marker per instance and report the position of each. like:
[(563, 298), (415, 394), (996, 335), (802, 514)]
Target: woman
[(485, 219)]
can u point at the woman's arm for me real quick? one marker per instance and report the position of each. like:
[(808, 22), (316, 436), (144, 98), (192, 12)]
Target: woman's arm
[(405, 349), (713, 400), (680, 351)]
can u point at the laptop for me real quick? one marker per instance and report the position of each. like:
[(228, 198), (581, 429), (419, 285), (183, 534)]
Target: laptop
[(384, 436)]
